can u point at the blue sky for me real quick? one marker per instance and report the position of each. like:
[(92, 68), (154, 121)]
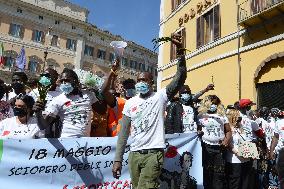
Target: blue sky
[(134, 20)]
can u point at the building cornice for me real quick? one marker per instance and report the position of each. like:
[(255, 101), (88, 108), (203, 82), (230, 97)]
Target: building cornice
[(36, 46), (231, 53), (174, 12), (204, 48)]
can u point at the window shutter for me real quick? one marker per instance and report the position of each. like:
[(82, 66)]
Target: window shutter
[(173, 5), (216, 18), (271, 94), (200, 32), (173, 52), (33, 35), (43, 37), (183, 34), (10, 29), (22, 31)]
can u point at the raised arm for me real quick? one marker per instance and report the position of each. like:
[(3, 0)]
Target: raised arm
[(181, 73), (108, 97), (200, 93)]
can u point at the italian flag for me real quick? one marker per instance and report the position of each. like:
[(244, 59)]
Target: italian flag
[(1, 54)]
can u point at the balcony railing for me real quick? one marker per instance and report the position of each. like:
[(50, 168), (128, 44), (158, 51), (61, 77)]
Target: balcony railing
[(251, 8)]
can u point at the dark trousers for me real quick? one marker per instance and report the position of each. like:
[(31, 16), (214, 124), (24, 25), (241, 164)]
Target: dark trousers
[(213, 167), (240, 175), (280, 167)]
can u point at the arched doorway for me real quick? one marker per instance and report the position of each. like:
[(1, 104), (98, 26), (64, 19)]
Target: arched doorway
[(269, 79)]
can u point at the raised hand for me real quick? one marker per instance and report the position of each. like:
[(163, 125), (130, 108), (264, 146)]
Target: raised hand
[(177, 40), (116, 64)]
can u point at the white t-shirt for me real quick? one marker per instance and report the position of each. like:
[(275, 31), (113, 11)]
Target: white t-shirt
[(249, 126), (10, 96), (236, 139), (189, 125), (268, 129), (75, 113), (213, 128), (279, 129), (147, 120), (10, 128)]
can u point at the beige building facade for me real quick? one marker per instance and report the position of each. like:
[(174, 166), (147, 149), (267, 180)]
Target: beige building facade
[(61, 31), (237, 45)]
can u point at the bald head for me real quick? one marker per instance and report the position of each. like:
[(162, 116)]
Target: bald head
[(146, 77)]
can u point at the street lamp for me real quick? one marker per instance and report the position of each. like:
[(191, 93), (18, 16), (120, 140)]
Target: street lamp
[(46, 49), (45, 55)]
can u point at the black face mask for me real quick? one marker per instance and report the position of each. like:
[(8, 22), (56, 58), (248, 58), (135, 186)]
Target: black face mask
[(18, 87), (20, 112)]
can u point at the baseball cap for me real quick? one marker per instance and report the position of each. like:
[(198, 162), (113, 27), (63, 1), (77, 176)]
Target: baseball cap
[(245, 102)]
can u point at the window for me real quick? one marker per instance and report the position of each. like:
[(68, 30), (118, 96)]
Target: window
[(19, 10), (16, 30), (89, 51), (124, 62), (38, 36), (176, 3), (71, 44), (57, 22), (101, 54), (139, 66), (173, 52), (10, 62), (54, 41), (143, 68), (208, 27), (90, 34), (131, 64), (111, 57), (33, 66), (40, 17), (73, 27)]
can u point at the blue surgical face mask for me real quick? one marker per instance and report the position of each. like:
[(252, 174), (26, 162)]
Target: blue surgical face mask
[(130, 93), (142, 88), (213, 108), (66, 88), (185, 97)]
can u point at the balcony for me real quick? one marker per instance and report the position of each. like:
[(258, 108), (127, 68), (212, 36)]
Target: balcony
[(252, 12)]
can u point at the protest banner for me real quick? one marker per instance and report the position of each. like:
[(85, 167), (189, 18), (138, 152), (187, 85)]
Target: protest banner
[(86, 163)]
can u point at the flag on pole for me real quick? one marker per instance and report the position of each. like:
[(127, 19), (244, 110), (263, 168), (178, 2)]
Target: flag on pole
[(21, 60), (1, 54)]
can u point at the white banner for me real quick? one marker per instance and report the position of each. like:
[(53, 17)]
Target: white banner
[(86, 163)]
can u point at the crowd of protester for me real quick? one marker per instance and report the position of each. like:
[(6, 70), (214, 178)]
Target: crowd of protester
[(70, 110)]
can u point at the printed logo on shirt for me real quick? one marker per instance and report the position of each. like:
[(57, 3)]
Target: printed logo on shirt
[(6, 133), (68, 103), (134, 109)]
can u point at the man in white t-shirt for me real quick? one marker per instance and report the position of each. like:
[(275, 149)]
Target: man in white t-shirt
[(181, 114), (277, 147), (73, 106), (143, 119)]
